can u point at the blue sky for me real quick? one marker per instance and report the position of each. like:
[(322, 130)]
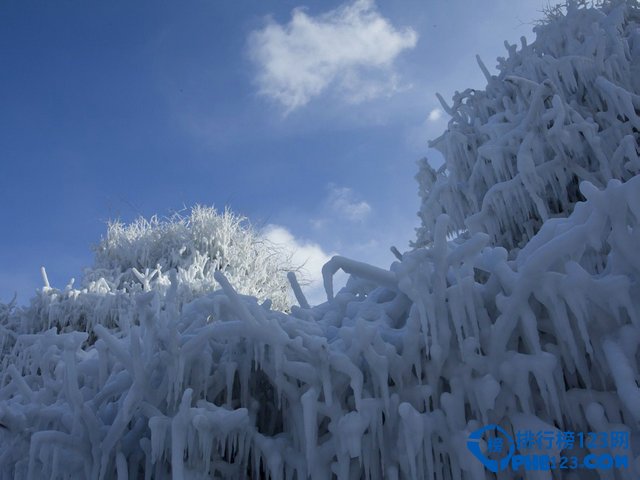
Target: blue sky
[(305, 116)]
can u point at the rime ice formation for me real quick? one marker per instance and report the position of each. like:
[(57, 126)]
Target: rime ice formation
[(195, 247), (145, 254), (562, 110), (387, 378)]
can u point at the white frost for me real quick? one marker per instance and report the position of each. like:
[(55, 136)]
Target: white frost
[(530, 319)]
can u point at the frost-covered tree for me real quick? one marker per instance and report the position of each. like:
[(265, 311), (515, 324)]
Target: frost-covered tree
[(561, 110), (387, 378), (179, 254), (194, 247)]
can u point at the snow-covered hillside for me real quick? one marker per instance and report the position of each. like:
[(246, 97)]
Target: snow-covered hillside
[(530, 317)]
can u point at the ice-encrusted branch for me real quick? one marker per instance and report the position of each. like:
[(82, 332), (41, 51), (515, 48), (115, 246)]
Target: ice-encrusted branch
[(357, 269), (45, 278), (297, 291)]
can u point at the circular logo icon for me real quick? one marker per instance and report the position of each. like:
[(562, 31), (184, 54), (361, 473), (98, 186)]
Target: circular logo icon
[(500, 447)]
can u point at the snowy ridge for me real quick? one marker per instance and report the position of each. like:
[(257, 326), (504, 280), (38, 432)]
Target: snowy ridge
[(562, 110), (380, 382)]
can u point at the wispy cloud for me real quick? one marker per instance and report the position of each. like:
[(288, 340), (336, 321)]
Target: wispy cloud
[(435, 115), (344, 202), (351, 49), (309, 256)]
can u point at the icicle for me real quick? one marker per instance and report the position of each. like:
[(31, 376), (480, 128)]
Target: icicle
[(623, 376), (179, 426), (121, 467), (309, 409)]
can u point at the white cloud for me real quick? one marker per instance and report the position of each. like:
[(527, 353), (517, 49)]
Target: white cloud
[(343, 201), (351, 49), (310, 256), (435, 115), (417, 136)]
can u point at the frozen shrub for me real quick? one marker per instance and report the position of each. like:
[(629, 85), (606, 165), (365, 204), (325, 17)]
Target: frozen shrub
[(562, 110), (178, 255), (194, 247)]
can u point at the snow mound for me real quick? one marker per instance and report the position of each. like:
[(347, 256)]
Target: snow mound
[(562, 110)]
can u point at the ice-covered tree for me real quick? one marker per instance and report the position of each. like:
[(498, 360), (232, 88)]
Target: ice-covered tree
[(179, 254), (564, 109), (194, 247)]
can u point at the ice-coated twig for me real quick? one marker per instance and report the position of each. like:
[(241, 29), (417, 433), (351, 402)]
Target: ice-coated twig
[(445, 105), (297, 291), (45, 278), (482, 66), (240, 308)]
